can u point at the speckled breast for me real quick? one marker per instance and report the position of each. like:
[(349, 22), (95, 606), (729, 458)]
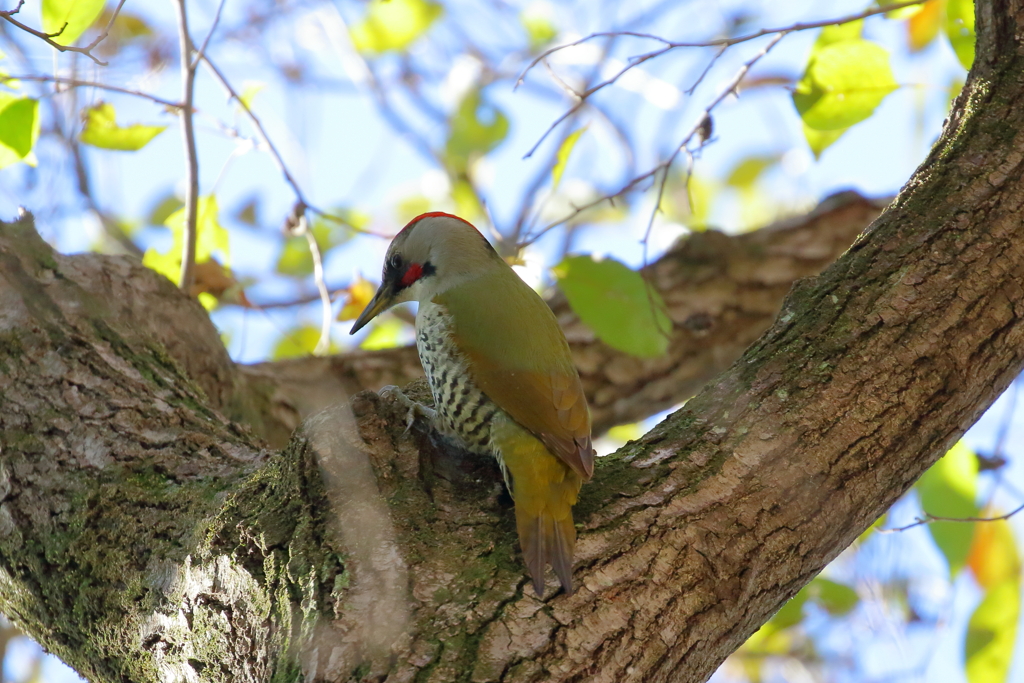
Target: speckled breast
[(463, 409)]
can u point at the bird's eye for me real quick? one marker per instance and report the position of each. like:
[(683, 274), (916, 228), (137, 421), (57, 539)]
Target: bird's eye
[(395, 261)]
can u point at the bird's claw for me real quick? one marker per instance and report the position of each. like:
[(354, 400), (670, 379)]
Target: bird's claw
[(413, 409)]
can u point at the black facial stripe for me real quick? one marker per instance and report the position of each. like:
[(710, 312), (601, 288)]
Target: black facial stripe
[(395, 269)]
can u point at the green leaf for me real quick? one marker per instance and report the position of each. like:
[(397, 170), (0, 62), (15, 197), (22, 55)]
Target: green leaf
[(386, 334), (163, 209), (991, 634), (168, 264), (792, 613), (616, 303), (467, 203), (843, 84), (839, 32), (476, 129), (393, 24), (19, 129), (101, 130), (837, 598), (748, 170), (410, 207), (949, 489), (73, 16), (211, 238), (298, 342), (820, 140), (295, 259), (250, 89), (562, 158), (960, 29), (540, 30)]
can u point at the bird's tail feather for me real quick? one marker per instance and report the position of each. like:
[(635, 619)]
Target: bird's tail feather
[(546, 540), (544, 489)]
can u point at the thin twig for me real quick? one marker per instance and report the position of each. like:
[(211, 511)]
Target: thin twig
[(206, 42), (48, 37), (298, 224), (928, 519), (669, 45), (274, 153), (323, 345), (17, 9), (717, 42), (703, 74), (188, 78), (76, 83), (666, 165), (527, 204)]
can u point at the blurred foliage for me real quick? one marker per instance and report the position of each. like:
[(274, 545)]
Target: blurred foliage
[(298, 341), (393, 24), (66, 20), (949, 489), (564, 151), (476, 128), (101, 130), (19, 129)]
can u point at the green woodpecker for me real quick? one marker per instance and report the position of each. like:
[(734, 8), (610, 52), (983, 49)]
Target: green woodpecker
[(501, 375)]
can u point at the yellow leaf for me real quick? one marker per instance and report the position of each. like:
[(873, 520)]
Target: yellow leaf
[(993, 556), (386, 334), (249, 91), (211, 238), (70, 18), (101, 130), (991, 634), (393, 24), (923, 26), (820, 140), (357, 295), (563, 156)]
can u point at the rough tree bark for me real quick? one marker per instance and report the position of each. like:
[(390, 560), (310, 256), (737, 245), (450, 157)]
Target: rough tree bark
[(145, 537)]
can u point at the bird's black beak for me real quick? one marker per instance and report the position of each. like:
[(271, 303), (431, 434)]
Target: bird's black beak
[(381, 301)]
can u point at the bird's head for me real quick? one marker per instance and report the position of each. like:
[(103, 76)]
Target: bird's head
[(434, 252)]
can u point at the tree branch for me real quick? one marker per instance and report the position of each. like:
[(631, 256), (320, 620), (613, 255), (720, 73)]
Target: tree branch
[(48, 37), (188, 79), (722, 293)]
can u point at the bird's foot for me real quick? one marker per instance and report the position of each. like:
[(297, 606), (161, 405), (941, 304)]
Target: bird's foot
[(413, 409)]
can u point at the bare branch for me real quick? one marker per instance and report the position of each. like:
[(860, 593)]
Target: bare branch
[(78, 83), (209, 35), (48, 37), (666, 165), (718, 42), (188, 78), (103, 35), (298, 224), (274, 153), (928, 519), (721, 43)]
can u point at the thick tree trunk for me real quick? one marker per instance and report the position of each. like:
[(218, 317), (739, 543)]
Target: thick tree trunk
[(145, 537)]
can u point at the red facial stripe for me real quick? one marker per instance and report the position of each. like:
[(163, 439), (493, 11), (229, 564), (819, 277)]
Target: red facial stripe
[(412, 274)]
